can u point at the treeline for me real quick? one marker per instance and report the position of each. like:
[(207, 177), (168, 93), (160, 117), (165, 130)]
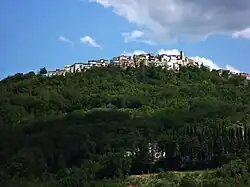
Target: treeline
[(111, 122)]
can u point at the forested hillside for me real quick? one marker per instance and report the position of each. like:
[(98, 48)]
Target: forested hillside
[(79, 129)]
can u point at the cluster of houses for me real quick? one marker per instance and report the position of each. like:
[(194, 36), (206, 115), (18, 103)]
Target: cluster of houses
[(163, 60), (245, 75), (159, 60)]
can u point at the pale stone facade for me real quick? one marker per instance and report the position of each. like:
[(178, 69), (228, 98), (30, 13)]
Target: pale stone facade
[(166, 61)]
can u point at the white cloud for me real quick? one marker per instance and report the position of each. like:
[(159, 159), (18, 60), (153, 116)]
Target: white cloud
[(212, 65), (206, 62), (66, 40), (161, 51), (135, 36), (242, 34), (201, 60), (90, 41), (165, 20), (130, 36), (136, 52), (169, 52), (232, 69)]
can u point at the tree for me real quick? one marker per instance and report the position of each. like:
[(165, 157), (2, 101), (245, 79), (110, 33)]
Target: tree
[(236, 169), (43, 71)]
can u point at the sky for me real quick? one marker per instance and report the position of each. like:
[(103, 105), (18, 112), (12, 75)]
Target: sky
[(53, 33)]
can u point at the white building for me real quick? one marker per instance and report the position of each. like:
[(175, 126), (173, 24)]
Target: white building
[(98, 63), (55, 73), (122, 61)]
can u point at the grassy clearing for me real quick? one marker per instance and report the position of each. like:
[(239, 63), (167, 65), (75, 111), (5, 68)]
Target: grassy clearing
[(172, 178), (180, 173)]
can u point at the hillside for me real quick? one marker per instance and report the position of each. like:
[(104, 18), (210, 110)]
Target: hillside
[(110, 122)]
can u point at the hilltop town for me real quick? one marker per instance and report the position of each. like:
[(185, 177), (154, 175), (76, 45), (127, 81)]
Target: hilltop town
[(168, 61), (150, 59)]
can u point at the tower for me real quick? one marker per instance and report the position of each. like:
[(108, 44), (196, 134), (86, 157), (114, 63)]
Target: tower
[(182, 55)]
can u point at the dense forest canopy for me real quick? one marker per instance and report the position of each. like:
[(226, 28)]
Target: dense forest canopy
[(112, 122)]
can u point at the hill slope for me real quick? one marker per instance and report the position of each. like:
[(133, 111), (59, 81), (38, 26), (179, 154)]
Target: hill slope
[(30, 96), (193, 119)]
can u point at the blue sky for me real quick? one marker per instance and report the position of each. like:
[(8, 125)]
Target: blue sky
[(52, 33)]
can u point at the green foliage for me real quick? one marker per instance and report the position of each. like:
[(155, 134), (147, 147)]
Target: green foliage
[(188, 181), (43, 71), (215, 182), (28, 162), (235, 170), (164, 183), (94, 128)]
